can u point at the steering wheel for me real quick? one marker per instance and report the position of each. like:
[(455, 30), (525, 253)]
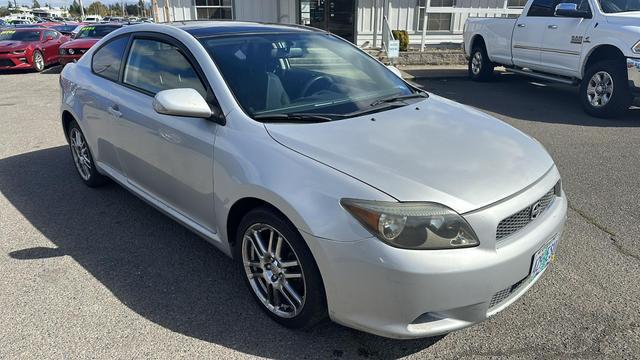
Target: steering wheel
[(313, 82)]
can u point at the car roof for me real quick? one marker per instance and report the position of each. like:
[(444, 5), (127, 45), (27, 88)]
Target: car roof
[(26, 29), (213, 28)]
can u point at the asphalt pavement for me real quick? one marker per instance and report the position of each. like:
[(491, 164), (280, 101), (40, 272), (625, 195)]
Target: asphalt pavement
[(98, 273)]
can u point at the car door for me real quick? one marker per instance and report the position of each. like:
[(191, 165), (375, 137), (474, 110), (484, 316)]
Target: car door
[(528, 33), (168, 157), (98, 95), (50, 46), (563, 38)]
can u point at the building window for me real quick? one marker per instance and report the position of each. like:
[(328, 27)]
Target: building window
[(517, 4), (435, 21), (214, 9)]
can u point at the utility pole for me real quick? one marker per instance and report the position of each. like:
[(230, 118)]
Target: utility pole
[(81, 10)]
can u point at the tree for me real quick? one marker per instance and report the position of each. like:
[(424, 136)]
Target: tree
[(74, 9), (97, 8), (35, 5)]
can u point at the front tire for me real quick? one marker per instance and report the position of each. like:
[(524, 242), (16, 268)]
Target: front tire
[(82, 157), (279, 269), (604, 91), (480, 67), (38, 61)]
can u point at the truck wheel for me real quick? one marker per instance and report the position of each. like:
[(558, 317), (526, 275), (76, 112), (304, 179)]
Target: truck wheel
[(480, 67), (604, 91)]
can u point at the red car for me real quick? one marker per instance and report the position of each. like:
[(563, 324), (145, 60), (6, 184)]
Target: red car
[(83, 41), (29, 48)]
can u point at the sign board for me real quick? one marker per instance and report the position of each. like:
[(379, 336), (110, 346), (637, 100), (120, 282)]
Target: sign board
[(394, 49)]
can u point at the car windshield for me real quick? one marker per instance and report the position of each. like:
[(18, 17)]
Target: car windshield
[(289, 74), (95, 32), (64, 28), (19, 35), (618, 6)]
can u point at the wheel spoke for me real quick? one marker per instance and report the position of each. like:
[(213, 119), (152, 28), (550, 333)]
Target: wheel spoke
[(291, 295), (258, 243), (292, 276), (286, 264), (270, 247), (278, 250)]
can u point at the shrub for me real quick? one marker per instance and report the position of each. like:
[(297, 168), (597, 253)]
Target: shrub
[(403, 36)]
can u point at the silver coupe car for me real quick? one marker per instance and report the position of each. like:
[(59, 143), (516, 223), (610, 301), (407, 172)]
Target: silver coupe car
[(339, 189)]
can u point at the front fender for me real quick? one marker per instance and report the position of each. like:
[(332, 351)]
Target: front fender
[(250, 164)]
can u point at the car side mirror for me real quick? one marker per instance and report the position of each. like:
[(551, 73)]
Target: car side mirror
[(49, 38), (395, 70), (570, 10), (182, 102)]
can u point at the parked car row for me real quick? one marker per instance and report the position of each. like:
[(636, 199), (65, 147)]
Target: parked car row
[(36, 47)]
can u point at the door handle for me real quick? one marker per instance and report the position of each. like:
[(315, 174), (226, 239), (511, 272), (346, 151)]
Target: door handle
[(114, 111), (552, 27), (522, 25)]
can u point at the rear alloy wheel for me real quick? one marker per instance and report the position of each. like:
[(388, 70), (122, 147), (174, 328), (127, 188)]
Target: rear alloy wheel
[(82, 157), (480, 67), (38, 61), (604, 91), (279, 269)]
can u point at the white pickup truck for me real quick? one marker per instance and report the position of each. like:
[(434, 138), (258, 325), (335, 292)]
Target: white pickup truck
[(591, 43)]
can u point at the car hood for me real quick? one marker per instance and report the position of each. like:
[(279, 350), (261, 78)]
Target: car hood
[(631, 18), (435, 150), (12, 45), (80, 43)]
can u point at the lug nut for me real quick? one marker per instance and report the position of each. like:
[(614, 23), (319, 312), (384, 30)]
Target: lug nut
[(274, 278)]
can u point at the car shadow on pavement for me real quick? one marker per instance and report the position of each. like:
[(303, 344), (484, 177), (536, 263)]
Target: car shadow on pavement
[(161, 270), (523, 98)]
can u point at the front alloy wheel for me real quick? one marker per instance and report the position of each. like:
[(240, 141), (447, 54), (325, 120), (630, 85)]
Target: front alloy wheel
[(604, 91), (273, 270), (600, 89), (38, 61), (279, 269)]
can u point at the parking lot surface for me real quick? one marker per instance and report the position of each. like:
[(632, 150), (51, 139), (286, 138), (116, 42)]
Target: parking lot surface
[(98, 273)]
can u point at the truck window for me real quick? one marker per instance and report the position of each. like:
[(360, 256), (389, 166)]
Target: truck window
[(542, 8), (546, 8)]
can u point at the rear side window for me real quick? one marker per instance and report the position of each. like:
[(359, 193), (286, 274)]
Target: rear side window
[(154, 66), (108, 59), (542, 8)]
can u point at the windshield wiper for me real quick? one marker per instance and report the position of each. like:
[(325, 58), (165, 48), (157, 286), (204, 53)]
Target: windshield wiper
[(293, 118), (399, 98)]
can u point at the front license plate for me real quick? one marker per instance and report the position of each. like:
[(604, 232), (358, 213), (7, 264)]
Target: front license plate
[(544, 257)]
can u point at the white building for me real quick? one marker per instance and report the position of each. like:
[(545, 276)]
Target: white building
[(356, 20)]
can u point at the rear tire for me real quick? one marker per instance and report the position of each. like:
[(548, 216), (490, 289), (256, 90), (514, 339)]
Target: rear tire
[(270, 273), (480, 67), (82, 158), (604, 91)]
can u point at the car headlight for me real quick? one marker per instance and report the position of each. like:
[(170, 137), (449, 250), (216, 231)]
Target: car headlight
[(18, 52), (62, 51), (71, 51), (636, 48), (427, 226)]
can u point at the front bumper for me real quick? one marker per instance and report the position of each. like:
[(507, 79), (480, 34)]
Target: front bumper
[(633, 71), (15, 61), (401, 293), (66, 59)]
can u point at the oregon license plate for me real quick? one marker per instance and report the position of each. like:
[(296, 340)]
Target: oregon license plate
[(544, 257)]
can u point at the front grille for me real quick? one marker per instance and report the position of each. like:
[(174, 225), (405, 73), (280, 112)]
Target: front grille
[(6, 62), (503, 294), (522, 218)]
